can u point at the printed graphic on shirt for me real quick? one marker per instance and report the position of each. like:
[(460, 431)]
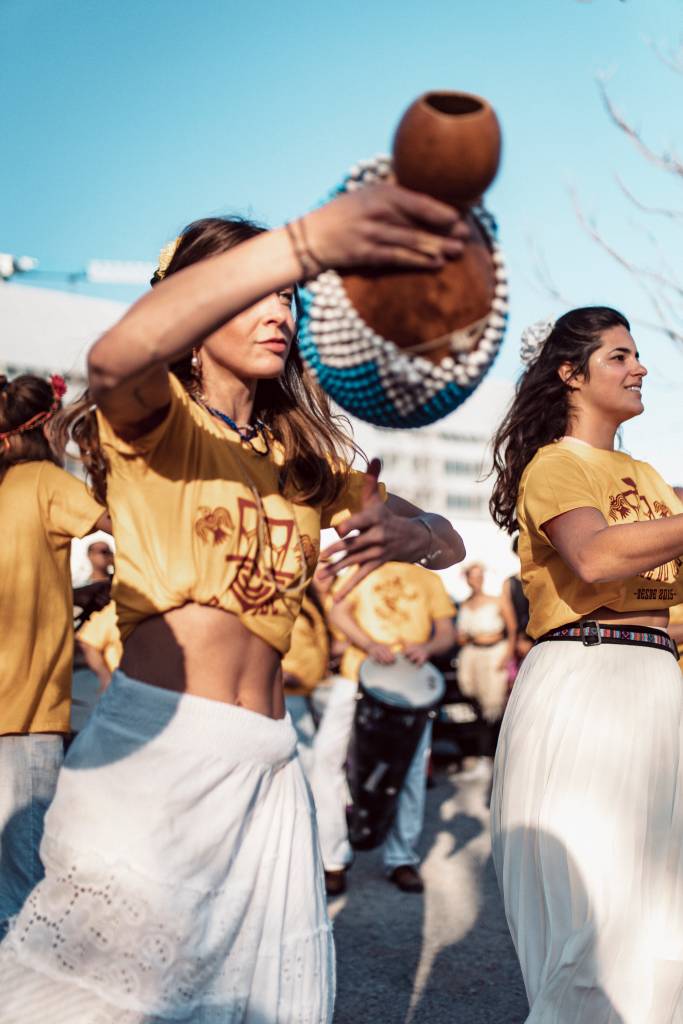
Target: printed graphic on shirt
[(264, 550), (214, 524), (631, 504), (394, 599)]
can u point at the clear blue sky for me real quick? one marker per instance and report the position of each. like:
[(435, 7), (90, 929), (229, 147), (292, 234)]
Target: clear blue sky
[(123, 121)]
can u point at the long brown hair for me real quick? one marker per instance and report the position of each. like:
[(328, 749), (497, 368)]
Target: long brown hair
[(318, 450), (22, 399), (540, 410)]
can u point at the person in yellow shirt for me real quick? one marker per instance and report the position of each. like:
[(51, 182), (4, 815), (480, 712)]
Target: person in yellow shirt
[(183, 795), (42, 507), (587, 801), (397, 608), (304, 667), (99, 642)]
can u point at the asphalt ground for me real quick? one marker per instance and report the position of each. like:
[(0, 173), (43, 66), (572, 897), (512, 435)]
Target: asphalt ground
[(441, 958)]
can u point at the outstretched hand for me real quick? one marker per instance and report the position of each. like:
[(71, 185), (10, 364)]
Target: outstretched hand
[(371, 537), (386, 225)]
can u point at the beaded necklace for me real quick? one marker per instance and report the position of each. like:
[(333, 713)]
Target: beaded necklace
[(246, 434)]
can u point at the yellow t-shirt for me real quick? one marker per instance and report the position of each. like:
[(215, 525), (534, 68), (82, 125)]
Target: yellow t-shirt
[(308, 656), (42, 507), (568, 475), (198, 517), (396, 604), (102, 632)]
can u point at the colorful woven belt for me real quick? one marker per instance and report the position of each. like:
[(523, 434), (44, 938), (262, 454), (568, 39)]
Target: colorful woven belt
[(592, 633)]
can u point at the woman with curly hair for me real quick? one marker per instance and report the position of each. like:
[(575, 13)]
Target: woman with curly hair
[(587, 805), (183, 875)]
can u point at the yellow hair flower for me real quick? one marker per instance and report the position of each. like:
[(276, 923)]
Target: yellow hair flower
[(166, 255)]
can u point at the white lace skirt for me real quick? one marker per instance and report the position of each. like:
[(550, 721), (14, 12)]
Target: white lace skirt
[(183, 878), (587, 820)]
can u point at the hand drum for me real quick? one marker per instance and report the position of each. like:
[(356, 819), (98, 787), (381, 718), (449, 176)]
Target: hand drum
[(403, 349)]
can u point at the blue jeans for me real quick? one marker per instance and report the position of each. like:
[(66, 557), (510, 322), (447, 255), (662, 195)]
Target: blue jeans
[(29, 766)]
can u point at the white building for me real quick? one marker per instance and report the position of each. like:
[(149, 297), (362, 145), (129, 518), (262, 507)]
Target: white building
[(443, 468)]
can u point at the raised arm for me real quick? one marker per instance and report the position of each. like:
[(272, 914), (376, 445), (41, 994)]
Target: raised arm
[(342, 618), (391, 531), (599, 553), (380, 225), (441, 641)]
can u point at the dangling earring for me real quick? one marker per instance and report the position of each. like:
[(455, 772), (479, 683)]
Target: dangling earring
[(196, 371)]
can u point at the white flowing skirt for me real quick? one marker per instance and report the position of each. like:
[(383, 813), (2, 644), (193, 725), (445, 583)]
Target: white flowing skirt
[(587, 823), (183, 876)]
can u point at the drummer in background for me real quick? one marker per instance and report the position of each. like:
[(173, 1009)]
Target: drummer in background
[(398, 607), (304, 667)]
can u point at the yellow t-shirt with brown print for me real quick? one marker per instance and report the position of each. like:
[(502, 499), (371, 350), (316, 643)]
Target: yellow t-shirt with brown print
[(198, 517), (396, 605), (308, 657), (569, 475)]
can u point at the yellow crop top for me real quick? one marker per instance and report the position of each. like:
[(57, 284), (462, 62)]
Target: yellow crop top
[(198, 517), (568, 475)]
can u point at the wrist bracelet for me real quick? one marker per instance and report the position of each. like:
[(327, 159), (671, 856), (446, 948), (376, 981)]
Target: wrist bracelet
[(310, 265), (432, 551)]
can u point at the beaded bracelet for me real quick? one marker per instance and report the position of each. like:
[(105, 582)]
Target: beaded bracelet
[(309, 263)]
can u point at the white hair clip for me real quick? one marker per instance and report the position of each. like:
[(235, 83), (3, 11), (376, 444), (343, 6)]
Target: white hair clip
[(534, 338)]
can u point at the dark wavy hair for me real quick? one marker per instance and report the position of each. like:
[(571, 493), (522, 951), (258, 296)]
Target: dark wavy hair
[(20, 400), (540, 411), (317, 445)]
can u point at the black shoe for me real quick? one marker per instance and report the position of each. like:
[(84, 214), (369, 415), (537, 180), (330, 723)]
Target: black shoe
[(407, 878), (335, 882)]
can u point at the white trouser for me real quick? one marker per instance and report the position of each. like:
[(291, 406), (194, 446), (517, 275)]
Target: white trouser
[(328, 780)]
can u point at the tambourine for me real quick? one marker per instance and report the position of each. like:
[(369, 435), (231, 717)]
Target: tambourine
[(404, 349)]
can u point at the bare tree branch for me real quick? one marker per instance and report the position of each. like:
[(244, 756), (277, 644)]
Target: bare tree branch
[(656, 210), (672, 60), (661, 289), (665, 161)]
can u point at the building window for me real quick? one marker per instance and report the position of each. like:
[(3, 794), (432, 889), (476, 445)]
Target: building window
[(467, 502), (463, 468)]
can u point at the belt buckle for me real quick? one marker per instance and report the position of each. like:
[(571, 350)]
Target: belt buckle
[(590, 639)]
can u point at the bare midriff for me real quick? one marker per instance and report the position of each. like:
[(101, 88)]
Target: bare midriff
[(657, 618), (206, 652)]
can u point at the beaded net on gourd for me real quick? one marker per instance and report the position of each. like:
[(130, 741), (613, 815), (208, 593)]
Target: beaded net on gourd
[(372, 377)]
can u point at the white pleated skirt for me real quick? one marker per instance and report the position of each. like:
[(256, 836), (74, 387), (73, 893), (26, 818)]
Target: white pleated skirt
[(183, 877), (587, 832)]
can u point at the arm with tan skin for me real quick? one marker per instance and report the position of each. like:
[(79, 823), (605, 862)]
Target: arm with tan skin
[(441, 641), (675, 631), (341, 617), (94, 659), (599, 553), (376, 226), (391, 531)]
